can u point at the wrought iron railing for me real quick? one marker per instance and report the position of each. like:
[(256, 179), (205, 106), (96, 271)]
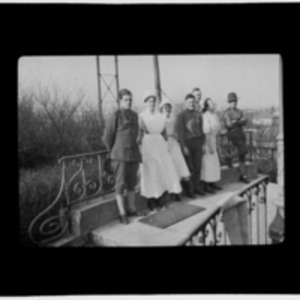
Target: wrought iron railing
[(226, 147), (212, 232), (83, 177), (264, 156)]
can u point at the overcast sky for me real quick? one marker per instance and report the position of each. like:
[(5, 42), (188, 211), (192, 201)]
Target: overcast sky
[(255, 78)]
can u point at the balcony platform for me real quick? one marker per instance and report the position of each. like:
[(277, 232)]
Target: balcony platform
[(137, 234), (98, 219)]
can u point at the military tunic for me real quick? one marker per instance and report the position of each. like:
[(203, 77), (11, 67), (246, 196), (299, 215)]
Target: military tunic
[(235, 133), (120, 138)]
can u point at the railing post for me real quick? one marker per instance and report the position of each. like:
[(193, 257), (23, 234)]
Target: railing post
[(276, 229), (251, 145)]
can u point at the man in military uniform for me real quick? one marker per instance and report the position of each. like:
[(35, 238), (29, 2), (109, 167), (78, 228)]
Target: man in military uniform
[(234, 121), (190, 135), (120, 138)]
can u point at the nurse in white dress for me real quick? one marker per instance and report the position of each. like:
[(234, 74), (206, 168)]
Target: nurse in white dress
[(158, 172), (173, 145), (211, 170)]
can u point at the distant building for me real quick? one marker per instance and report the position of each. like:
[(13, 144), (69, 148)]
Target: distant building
[(262, 121), (266, 118)]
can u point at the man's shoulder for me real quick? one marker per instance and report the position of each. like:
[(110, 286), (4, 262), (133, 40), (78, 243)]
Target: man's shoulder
[(118, 112), (115, 112), (182, 113), (133, 112), (199, 112)]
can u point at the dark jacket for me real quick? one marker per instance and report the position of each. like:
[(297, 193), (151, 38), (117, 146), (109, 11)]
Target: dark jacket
[(120, 136), (230, 115), (189, 125)]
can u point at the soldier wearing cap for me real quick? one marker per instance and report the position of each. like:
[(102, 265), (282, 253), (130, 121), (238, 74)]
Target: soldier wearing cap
[(120, 138), (234, 121)]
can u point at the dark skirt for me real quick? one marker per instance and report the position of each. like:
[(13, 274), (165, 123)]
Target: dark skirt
[(126, 175), (238, 138)]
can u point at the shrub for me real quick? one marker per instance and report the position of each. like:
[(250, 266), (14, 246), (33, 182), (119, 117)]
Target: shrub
[(52, 125), (37, 190)]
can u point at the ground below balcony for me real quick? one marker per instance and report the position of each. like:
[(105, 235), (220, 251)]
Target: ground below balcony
[(137, 234)]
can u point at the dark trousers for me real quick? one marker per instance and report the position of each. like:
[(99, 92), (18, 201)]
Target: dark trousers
[(194, 159), (238, 138), (125, 175)]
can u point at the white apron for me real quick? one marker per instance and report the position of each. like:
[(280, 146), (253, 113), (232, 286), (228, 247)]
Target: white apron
[(210, 170), (175, 149), (158, 173)]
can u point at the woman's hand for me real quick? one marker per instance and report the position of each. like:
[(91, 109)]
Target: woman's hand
[(203, 150), (186, 151), (211, 150)]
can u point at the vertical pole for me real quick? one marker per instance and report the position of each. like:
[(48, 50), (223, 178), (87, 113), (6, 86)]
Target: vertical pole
[(280, 147), (277, 225), (157, 79), (99, 90), (117, 77), (251, 146)]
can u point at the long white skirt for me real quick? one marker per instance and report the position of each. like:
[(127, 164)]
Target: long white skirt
[(178, 159), (210, 169), (158, 172)]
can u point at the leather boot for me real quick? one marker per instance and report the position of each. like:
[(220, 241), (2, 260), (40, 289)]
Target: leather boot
[(184, 186), (244, 179), (208, 189), (151, 204), (123, 219), (215, 187), (190, 189), (177, 197), (160, 203), (197, 189), (228, 162)]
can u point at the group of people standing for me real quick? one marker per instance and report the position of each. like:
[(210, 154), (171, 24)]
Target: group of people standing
[(170, 153)]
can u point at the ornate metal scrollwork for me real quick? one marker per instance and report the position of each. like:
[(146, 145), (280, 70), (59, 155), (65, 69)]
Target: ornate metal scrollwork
[(82, 184), (79, 189), (43, 228), (198, 239), (210, 233)]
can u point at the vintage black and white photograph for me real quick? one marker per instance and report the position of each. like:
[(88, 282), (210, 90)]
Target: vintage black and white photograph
[(151, 150)]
